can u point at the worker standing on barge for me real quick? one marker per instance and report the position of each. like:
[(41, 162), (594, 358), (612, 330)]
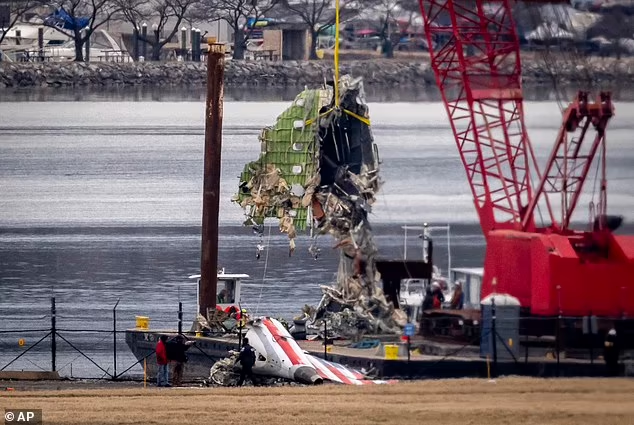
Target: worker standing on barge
[(611, 353)]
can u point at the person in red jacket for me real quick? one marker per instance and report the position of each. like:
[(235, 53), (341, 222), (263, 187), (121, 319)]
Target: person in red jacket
[(162, 377)]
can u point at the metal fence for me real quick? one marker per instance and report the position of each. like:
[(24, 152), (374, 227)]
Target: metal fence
[(566, 346), (90, 352), (98, 350)]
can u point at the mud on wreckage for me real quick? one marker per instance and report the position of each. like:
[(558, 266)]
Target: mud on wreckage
[(319, 170)]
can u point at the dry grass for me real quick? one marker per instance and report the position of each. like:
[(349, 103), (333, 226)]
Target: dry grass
[(465, 401)]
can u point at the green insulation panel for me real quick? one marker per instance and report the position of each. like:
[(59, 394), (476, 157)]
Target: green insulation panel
[(290, 146)]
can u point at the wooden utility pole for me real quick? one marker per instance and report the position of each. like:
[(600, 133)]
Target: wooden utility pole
[(211, 178)]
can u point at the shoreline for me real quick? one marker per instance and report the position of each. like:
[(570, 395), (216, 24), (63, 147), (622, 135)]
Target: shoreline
[(377, 73)]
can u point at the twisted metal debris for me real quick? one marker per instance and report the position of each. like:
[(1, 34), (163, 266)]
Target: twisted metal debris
[(319, 168)]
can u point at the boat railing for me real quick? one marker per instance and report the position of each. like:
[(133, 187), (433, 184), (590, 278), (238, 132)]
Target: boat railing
[(426, 233)]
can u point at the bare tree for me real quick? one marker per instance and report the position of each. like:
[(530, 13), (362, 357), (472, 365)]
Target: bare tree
[(236, 13), (390, 28), (165, 17), (16, 10), (317, 15), (79, 19)]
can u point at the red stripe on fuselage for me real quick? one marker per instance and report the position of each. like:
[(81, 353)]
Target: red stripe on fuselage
[(281, 341), (339, 374)]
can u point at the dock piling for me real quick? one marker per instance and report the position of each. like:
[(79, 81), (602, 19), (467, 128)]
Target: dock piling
[(135, 45), (40, 44), (211, 178), (144, 39)]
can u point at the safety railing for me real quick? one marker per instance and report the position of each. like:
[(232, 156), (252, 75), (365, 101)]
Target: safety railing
[(91, 353), (559, 346)]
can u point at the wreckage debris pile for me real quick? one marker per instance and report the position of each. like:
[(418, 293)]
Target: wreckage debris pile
[(319, 169)]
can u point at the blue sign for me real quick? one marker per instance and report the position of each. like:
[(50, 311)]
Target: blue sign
[(409, 329)]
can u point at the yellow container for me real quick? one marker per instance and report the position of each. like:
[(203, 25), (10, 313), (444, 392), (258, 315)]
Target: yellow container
[(391, 352), (142, 322), (329, 349)]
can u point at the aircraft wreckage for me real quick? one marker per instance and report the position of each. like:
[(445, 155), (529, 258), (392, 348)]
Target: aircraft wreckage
[(319, 169), (280, 359)]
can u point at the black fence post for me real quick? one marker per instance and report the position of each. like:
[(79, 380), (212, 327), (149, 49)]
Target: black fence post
[(325, 340), (526, 342), (558, 339), (558, 330), (409, 367), (494, 338), (408, 349), (240, 322), (114, 338), (180, 318), (53, 333)]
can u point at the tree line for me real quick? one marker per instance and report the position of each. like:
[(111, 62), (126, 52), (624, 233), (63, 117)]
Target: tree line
[(167, 16)]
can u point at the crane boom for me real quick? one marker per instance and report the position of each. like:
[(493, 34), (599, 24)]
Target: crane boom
[(478, 71), (570, 160)]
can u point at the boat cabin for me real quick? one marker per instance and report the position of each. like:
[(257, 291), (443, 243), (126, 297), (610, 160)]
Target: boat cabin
[(228, 291), (471, 280)]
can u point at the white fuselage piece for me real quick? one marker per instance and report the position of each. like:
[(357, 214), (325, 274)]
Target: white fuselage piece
[(278, 354)]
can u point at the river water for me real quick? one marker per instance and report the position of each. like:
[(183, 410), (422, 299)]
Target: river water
[(100, 201)]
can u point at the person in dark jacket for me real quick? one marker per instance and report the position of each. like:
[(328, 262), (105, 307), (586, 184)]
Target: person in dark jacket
[(162, 376), (611, 353), (247, 360), (428, 301), (176, 349)]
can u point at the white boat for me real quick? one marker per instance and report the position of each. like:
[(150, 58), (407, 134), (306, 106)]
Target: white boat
[(23, 38), (412, 291), (21, 44)]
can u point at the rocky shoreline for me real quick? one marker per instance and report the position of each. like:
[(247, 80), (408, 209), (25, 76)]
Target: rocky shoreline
[(377, 72)]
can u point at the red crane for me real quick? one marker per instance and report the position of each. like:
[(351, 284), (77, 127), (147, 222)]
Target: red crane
[(551, 268)]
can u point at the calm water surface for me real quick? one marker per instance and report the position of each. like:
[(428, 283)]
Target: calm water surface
[(100, 200)]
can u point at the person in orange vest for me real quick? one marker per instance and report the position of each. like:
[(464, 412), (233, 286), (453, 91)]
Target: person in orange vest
[(162, 376), (457, 299)]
